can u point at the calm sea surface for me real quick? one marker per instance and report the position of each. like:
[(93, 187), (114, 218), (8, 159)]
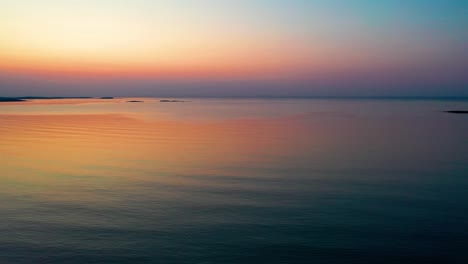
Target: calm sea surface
[(233, 181)]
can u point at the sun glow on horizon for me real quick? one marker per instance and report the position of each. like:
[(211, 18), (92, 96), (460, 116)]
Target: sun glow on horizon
[(221, 39), (102, 41)]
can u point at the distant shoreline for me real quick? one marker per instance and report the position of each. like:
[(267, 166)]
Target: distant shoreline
[(175, 98), (26, 98)]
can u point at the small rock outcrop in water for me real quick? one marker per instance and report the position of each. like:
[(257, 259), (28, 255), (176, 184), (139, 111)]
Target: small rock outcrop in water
[(134, 101), (173, 101), (107, 97), (456, 112)]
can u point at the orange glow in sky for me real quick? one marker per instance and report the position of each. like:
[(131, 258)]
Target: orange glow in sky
[(229, 40), (85, 39)]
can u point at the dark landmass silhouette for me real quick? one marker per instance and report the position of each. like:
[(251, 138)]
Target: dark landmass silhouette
[(53, 97), (11, 99), (172, 101), (457, 112), (26, 98)]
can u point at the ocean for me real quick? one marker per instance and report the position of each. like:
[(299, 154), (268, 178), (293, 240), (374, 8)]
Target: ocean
[(215, 181)]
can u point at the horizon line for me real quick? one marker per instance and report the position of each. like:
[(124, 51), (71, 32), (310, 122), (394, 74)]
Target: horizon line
[(248, 97)]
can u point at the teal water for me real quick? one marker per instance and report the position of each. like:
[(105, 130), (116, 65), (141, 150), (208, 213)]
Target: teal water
[(233, 181)]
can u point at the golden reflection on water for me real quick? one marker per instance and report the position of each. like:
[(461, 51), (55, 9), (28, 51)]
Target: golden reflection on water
[(48, 148)]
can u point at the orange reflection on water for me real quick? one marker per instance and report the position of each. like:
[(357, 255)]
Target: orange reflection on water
[(47, 147)]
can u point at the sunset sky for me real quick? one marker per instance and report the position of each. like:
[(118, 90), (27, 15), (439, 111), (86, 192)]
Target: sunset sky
[(234, 48)]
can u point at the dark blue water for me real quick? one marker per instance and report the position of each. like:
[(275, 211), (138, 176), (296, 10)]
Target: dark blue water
[(234, 181)]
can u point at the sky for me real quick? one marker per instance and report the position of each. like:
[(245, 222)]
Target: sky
[(233, 48)]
